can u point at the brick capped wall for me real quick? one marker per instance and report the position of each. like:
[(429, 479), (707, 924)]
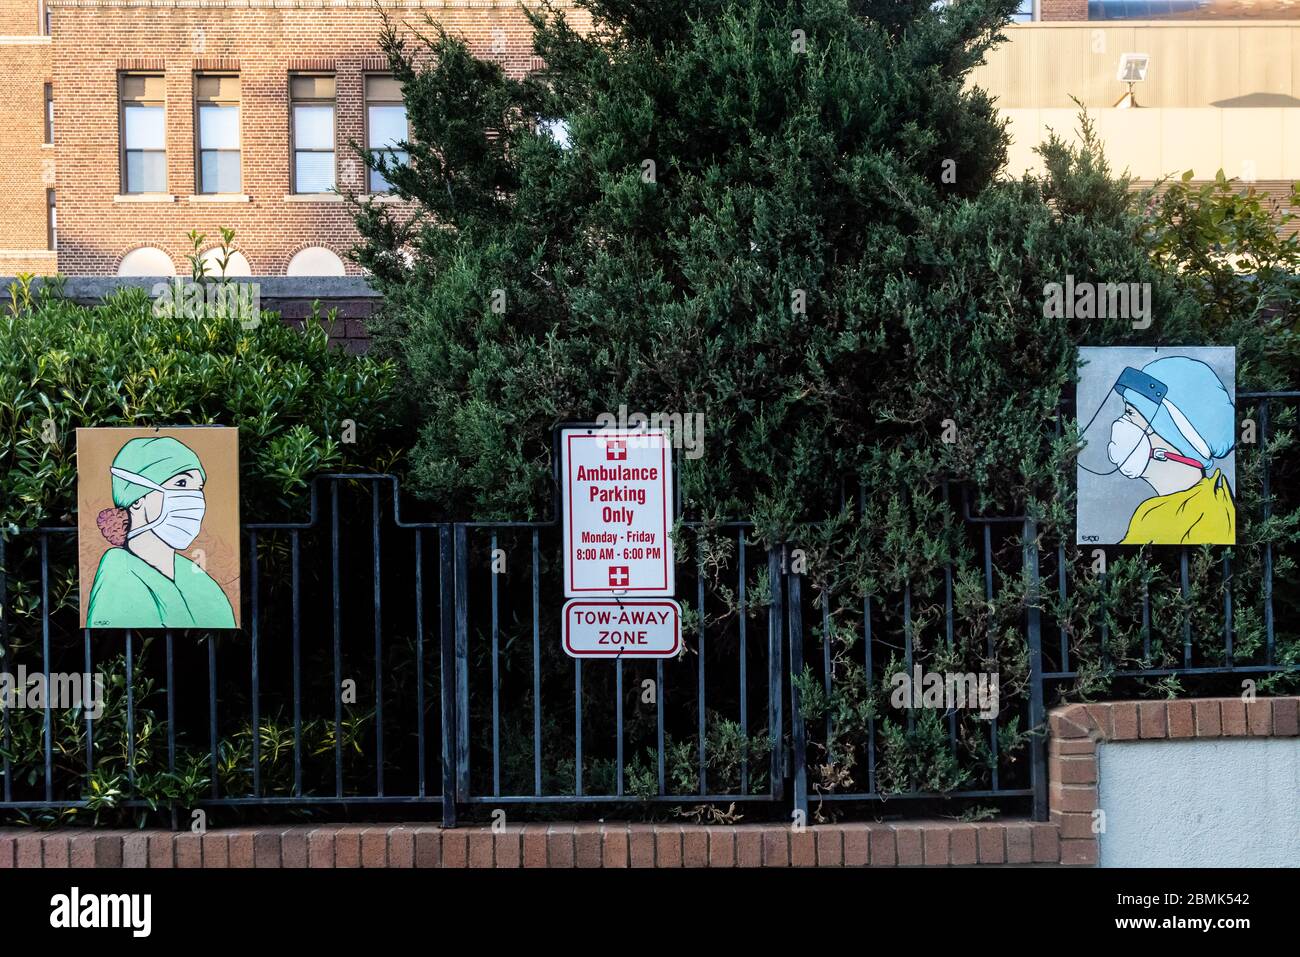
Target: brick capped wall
[(342, 304), (929, 843), (1077, 729), (264, 40), (27, 167)]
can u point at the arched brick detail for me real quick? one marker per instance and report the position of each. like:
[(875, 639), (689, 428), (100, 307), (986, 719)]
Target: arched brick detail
[(180, 265), (283, 265)]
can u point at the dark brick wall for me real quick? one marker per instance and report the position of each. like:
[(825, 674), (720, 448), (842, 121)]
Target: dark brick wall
[(349, 297)]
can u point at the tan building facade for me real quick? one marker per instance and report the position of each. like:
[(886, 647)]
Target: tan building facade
[(1217, 95)]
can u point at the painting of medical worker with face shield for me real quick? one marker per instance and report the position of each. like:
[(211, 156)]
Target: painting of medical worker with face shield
[(1158, 432), (158, 527)]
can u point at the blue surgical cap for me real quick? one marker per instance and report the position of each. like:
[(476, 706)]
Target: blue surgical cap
[(1199, 394)]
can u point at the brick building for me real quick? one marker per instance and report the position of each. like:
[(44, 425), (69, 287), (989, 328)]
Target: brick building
[(238, 113), (27, 167), (127, 124)]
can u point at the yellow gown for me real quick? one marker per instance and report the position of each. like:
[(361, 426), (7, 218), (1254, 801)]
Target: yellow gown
[(1201, 515)]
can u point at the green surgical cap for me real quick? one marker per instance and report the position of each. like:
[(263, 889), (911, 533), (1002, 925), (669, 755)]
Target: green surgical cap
[(155, 459)]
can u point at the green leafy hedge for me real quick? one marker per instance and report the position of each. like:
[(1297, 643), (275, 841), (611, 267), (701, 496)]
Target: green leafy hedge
[(787, 215), (64, 366)]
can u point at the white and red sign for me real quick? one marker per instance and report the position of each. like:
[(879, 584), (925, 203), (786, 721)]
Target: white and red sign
[(613, 627), (618, 510)]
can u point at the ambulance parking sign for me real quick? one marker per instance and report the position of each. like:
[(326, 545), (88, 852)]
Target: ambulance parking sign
[(618, 510)]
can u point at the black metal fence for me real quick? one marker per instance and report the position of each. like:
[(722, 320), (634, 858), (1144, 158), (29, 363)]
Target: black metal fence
[(391, 662)]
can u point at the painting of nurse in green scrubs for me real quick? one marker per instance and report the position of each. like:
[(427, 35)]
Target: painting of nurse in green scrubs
[(143, 580)]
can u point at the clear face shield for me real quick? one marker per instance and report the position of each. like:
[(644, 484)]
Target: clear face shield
[(1118, 438)]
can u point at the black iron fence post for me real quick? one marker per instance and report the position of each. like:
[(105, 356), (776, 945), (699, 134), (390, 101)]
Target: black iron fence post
[(1267, 496), (447, 675), (1034, 634), (5, 669), (776, 671), (798, 741), (461, 551)]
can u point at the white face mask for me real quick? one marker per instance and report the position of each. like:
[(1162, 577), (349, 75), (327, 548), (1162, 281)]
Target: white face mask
[(182, 512), (1130, 447)]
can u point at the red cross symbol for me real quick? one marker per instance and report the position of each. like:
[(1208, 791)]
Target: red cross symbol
[(616, 450), (617, 576)]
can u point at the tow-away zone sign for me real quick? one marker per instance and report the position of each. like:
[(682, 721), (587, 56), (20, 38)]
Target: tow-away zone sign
[(631, 627), (618, 512)]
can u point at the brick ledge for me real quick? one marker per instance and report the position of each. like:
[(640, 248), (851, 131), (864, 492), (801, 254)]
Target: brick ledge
[(1067, 838), (930, 843)]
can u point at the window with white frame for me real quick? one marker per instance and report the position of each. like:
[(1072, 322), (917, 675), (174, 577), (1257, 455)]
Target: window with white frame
[(386, 126), (312, 114), (216, 106), (51, 219), (143, 134)]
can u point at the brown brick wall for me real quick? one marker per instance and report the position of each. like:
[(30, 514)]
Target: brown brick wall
[(940, 843), (27, 167), (1063, 9), (19, 17), (93, 43)]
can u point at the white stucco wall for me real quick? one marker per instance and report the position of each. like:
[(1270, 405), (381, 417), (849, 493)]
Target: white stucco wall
[(1202, 803)]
